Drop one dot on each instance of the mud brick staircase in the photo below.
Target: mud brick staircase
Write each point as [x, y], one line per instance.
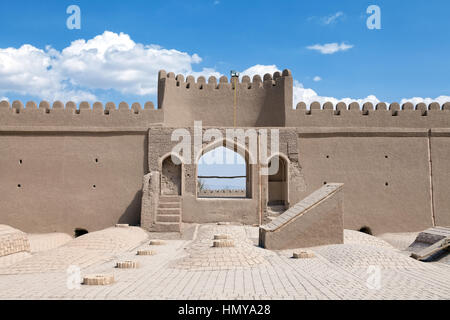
[274, 211]
[168, 217]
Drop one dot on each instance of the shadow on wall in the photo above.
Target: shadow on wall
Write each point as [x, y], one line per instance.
[132, 214]
[79, 232]
[366, 230]
[146, 167]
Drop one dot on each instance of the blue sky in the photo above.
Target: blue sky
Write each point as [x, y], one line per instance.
[407, 58]
[222, 162]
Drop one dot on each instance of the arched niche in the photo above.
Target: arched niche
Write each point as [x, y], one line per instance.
[218, 156]
[278, 182]
[171, 175]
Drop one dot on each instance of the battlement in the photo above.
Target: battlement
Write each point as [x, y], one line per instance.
[392, 158]
[382, 115]
[259, 101]
[267, 82]
[84, 115]
[368, 107]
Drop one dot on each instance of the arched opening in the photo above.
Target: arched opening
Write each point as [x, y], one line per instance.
[278, 183]
[366, 230]
[170, 177]
[223, 173]
[79, 232]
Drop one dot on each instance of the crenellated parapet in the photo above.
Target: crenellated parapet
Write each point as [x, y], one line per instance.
[84, 115]
[407, 115]
[260, 101]
[224, 83]
[368, 106]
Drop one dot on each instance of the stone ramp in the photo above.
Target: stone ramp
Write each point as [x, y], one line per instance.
[431, 244]
[316, 220]
[84, 251]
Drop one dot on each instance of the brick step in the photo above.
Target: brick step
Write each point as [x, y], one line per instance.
[168, 218]
[173, 211]
[276, 209]
[169, 205]
[167, 227]
[170, 199]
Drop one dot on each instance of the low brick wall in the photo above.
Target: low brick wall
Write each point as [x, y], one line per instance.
[222, 193]
[314, 221]
[12, 241]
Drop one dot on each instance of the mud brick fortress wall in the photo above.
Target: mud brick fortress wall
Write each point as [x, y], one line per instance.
[66, 166]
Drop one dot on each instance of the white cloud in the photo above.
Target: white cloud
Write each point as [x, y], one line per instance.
[260, 70]
[108, 61]
[330, 48]
[302, 94]
[114, 61]
[328, 20]
[308, 96]
[206, 72]
[331, 19]
[4, 99]
[29, 70]
[317, 79]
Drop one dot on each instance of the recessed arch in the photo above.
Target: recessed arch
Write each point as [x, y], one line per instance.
[171, 174]
[278, 182]
[237, 147]
[223, 170]
[78, 232]
[365, 229]
[178, 158]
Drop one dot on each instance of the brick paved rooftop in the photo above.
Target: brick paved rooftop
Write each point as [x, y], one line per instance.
[189, 267]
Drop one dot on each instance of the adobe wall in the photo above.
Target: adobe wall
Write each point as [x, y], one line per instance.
[386, 173]
[58, 146]
[196, 209]
[288, 150]
[356, 138]
[65, 168]
[249, 210]
[260, 102]
[440, 155]
[50, 181]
